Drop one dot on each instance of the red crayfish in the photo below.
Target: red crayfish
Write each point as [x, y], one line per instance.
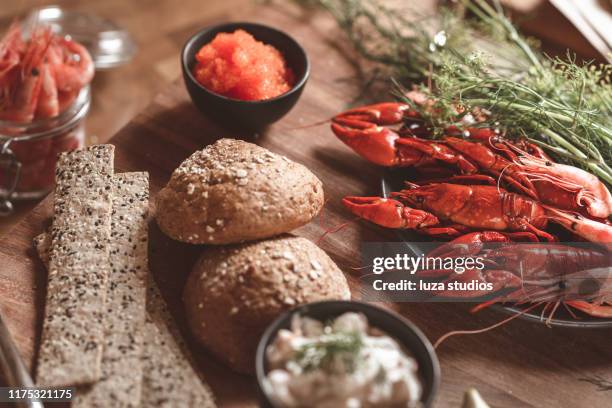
[486, 188]
[539, 190]
[576, 276]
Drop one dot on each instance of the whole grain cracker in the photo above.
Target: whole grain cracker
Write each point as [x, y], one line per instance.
[169, 379]
[120, 385]
[73, 327]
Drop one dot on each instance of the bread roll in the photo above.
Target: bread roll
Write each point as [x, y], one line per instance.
[234, 191]
[235, 292]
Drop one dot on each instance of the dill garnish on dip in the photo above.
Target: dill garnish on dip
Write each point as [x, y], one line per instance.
[238, 66]
[346, 363]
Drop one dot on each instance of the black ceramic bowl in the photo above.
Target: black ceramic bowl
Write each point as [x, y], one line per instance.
[251, 115]
[394, 325]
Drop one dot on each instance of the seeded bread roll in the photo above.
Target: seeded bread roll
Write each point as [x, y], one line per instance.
[234, 191]
[235, 292]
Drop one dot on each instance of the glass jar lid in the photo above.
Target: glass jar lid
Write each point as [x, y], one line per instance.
[108, 44]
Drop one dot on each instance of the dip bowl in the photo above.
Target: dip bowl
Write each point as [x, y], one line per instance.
[235, 113]
[403, 331]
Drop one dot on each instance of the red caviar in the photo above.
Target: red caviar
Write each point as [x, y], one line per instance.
[238, 66]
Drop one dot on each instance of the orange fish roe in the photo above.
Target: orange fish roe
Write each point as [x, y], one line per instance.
[238, 66]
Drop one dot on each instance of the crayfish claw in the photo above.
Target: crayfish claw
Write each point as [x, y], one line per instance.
[468, 244]
[389, 213]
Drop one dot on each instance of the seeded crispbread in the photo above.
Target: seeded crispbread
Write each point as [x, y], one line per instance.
[120, 385]
[73, 327]
[169, 379]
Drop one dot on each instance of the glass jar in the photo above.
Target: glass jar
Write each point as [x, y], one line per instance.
[29, 151]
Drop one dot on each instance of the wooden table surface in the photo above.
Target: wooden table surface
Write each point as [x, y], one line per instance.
[519, 364]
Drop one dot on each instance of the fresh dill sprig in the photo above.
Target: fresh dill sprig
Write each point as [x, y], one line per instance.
[331, 351]
[408, 43]
[559, 108]
[484, 63]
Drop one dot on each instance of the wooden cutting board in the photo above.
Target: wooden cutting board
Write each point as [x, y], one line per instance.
[519, 364]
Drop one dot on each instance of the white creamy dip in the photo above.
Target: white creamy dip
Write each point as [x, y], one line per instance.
[346, 363]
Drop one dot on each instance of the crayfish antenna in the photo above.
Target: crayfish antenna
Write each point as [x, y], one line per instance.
[552, 312]
[483, 330]
[333, 230]
[311, 125]
[482, 306]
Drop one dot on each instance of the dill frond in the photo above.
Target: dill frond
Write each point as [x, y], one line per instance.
[331, 350]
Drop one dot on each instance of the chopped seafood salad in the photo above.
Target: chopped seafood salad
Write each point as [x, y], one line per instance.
[343, 363]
